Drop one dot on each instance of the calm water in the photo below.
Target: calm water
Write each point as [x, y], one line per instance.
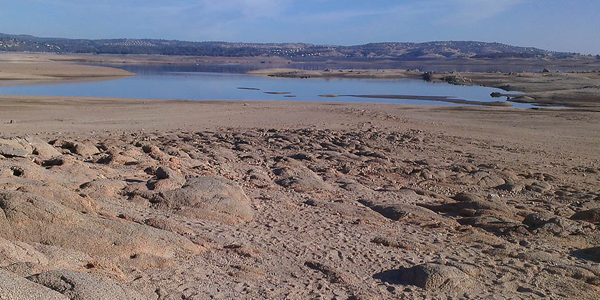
[222, 82]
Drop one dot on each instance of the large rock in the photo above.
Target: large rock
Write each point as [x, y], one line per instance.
[166, 179]
[84, 149]
[62, 195]
[488, 178]
[294, 175]
[14, 252]
[434, 277]
[13, 287]
[103, 189]
[402, 208]
[592, 254]
[60, 258]
[591, 215]
[12, 148]
[212, 198]
[473, 202]
[400, 211]
[24, 146]
[75, 173]
[41, 148]
[490, 214]
[549, 223]
[84, 286]
[22, 168]
[34, 219]
[491, 223]
[24, 269]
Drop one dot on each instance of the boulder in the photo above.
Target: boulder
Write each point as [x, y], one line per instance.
[83, 286]
[213, 198]
[13, 252]
[463, 196]
[63, 196]
[24, 269]
[590, 215]
[63, 258]
[436, 277]
[35, 219]
[549, 223]
[166, 179]
[116, 158]
[27, 145]
[168, 225]
[81, 148]
[40, 147]
[71, 173]
[399, 209]
[510, 187]
[490, 222]
[539, 187]
[13, 148]
[103, 189]
[294, 175]
[13, 287]
[472, 205]
[592, 254]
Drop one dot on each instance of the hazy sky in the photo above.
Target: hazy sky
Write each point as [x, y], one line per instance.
[563, 25]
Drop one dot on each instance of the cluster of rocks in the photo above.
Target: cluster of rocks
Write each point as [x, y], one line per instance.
[297, 213]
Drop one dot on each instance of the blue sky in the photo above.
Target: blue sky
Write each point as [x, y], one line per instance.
[562, 25]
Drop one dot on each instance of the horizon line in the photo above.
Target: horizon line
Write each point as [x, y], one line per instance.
[277, 43]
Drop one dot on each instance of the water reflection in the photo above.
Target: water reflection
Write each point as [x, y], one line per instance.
[223, 82]
[445, 66]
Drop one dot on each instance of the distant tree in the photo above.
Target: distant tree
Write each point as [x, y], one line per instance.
[598, 56]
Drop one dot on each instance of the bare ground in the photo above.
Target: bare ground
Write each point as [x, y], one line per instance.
[163, 199]
[338, 201]
[42, 68]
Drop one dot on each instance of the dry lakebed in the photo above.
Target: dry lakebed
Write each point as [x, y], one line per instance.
[105, 198]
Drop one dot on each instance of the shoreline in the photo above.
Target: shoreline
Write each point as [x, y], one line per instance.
[24, 114]
[36, 70]
[443, 99]
[576, 90]
[40, 69]
[571, 90]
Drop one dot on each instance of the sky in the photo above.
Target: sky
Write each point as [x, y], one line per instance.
[559, 25]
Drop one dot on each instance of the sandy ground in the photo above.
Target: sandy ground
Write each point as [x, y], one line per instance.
[42, 68]
[344, 201]
[163, 199]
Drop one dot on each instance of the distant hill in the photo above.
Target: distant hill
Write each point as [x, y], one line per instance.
[295, 51]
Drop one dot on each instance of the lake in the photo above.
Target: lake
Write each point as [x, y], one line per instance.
[223, 82]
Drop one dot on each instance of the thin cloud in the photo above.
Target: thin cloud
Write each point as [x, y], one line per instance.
[245, 8]
[396, 12]
[472, 11]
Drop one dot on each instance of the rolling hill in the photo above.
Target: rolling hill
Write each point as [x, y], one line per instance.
[294, 51]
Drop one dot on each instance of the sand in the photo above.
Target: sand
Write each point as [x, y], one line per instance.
[18, 69]
[165, 199]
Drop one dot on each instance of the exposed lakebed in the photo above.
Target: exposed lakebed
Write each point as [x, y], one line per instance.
[228, 82]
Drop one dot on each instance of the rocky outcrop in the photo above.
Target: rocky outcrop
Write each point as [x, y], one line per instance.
[13, 287]
[213, 198]
[83, 286]
[432, 276]
[35, 219]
